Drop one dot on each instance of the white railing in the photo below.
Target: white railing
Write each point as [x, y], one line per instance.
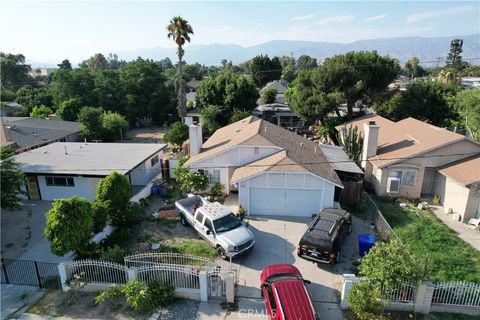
[97, 271]
[154, 257]
[400, 293]
[457, 293]
[184, 277]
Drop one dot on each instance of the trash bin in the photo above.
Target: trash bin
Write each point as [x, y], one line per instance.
[365, 243]
[436, 199]
[154, 189]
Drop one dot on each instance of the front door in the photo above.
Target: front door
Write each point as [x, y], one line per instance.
[32, 186]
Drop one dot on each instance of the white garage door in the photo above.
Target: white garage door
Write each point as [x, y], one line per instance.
[291, 202]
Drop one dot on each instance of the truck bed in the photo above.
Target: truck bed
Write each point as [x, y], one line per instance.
[186, 205]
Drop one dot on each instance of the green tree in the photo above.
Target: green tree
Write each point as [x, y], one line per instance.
[180, 30]
[177, 135]
[30, 97]
[77, 83]
[454, 58]
[305, 62]
[40, 112]
[100, 215]
[14, 70]
[68, 110]
[269, 95]
[239, 114]
[413, 69]
[467, 104]
[366, 302]
[190, 181]
[288, 68]
[91, 119]
[389, 265]
[263, 69]
[69, 224]
[425, 101]
[65, 65]
[356, 75]
[449, 76]
[114, 126]
[114, 192]
[211, 118]
[7, 95]
[12, 179]
[95, 62]
[109, 91]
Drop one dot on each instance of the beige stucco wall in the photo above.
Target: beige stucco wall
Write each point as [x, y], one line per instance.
[472, 209]
[433, 159]
[452, 194]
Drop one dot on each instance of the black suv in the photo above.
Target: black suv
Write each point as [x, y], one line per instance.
[323, 239]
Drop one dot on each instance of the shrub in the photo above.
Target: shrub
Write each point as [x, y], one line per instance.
[217, 192]
[115, 126]
[40, 112]
[365, 301]
[177, 135]
[7, 95]
[100, 217]
[132, 215]
[160, 294]
[90, 250]
[114, 254]
[115, 192]
[121, 237]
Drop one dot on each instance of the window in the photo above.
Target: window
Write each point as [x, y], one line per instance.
[256, 150]
[199, 217]
[407, 177]
[60, 181]
[212, 175]
[208, 224]
[271, 299]
[154, 161]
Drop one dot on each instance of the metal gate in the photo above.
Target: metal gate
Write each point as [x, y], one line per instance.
[30, 273]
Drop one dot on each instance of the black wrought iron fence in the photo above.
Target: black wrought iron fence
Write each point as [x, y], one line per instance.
[30, 273]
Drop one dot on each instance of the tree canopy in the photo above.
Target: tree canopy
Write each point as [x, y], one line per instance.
[14, 70]
[269, 95]
[114, 192]
[69, 224]
[40, 112]
[177, 135]
[263, 69]
[12, 179]
[467, 104]
[90, 119]
[114, 126]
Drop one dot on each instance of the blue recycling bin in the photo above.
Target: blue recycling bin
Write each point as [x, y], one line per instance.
[365, 243]
[154, 189]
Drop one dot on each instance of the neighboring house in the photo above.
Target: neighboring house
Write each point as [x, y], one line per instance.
[24, 133]
[10, 109]
[279, 85]
[191, 98]
[406, 159]
[66, 169]
[41, 72]
[279, 114]
[192, 85]
[274, 171]
[470, 82]
[193, 117]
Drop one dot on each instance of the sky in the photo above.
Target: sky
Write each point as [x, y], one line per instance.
[52, 31]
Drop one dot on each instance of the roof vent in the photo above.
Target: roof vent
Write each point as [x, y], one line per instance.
[301, 144]
[45, 151]
[238, 130]
[371, 123]
[265, 129]
[315, 150]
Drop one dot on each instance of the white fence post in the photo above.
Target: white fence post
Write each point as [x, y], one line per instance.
[202, 280]
[348, 281]
[132, 274]
[423, 297]
[230, 288]
[62, 271]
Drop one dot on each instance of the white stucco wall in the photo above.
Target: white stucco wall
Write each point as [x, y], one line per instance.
[142, 174]
[85, 187]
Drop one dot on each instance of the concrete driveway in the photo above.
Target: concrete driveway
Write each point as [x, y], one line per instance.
[22, 233]
[276, 241]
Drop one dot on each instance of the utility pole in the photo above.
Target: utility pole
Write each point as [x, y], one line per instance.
[438, 61]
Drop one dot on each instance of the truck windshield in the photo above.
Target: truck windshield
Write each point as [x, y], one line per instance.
[226, 223]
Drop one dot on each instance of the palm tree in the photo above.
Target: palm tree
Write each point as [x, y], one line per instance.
[179, 30]
[414, 63]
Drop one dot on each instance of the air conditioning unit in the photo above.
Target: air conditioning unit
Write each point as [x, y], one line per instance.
[393, 185]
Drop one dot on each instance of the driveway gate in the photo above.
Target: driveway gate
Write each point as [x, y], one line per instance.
[30, 273]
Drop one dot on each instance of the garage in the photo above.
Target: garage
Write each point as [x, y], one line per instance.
[291, 202]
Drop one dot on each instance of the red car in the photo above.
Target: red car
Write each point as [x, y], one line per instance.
[285, 294]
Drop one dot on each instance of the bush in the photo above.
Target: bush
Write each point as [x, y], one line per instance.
[120, 237]
[132, 215]
[365, 302]
[115, 192]
[90, 250]
[217, 192]
[160, 294]
[40, 112]
[177, 135]
[7, 95]
[100, 217]
[114, 254]
[114, 126]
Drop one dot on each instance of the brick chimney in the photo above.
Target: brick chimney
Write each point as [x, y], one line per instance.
[196, 138]
[370, 141]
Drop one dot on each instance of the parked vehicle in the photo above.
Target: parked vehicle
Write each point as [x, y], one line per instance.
[217, 225]
[323, 239]
[285, 294]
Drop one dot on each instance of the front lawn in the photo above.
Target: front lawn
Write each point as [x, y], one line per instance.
[437, 248]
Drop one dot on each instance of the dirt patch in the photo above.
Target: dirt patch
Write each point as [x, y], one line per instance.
[146, 135]
[55, 304]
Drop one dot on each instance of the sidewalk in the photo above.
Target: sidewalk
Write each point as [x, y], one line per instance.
[463, 231]
[249, 308]
[15, 299]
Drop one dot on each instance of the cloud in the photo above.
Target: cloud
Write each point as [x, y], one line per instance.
[301, 18]
[334, 19]
[439, 13]
[376, 18]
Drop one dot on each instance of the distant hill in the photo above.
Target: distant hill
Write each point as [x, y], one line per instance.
[426, 49]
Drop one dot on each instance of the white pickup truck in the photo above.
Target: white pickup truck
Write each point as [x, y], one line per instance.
[216, 224]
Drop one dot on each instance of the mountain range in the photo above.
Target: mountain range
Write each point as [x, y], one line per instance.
[428, 50]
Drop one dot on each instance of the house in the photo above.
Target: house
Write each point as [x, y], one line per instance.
[24, 133]
[274, 171]
[66, 169]
[192, 85]
[410, 158]
[279, 85]
[10, 109]
[279, 114]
